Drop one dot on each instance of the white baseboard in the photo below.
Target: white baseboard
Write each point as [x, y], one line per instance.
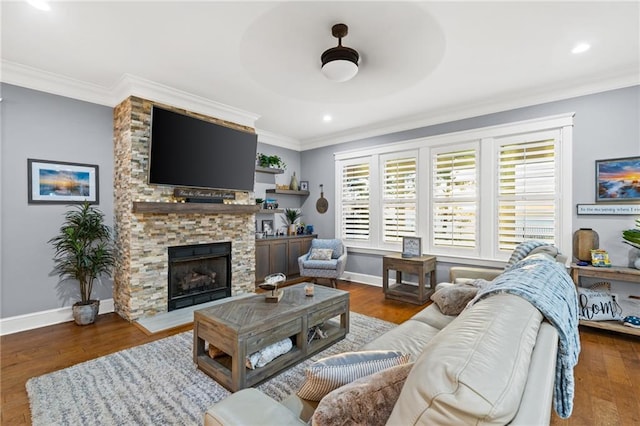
[44, 318]
[56, 316]
[373, 280]
[362, 278]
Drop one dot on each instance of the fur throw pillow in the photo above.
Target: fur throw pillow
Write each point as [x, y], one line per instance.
[453, 299]
[366, 401]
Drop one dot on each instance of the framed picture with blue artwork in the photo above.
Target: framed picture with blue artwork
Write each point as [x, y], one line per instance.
[618, 179]
[55, 182]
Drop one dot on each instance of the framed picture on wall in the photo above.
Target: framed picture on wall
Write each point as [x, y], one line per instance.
[618, 179]
[55, 182]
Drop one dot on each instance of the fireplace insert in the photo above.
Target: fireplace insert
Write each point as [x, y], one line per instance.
[198, 274]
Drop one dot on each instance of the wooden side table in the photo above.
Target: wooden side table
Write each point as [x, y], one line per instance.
[419, 266]
[616, 273]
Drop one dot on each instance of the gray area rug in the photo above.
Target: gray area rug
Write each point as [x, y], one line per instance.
[158, 383]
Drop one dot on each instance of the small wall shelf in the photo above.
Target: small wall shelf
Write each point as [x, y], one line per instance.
[269, 170]
[286, 192]
[269, 211]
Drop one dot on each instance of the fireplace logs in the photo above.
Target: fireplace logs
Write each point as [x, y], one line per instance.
[196, 280]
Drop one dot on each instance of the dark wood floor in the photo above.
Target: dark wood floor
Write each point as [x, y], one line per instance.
[607, 376]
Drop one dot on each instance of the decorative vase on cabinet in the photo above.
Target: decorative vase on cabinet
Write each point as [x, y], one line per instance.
[585, 240]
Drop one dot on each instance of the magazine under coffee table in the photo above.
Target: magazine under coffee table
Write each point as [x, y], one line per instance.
[243, 326]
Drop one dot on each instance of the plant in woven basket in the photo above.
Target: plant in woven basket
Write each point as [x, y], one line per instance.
[83, 251]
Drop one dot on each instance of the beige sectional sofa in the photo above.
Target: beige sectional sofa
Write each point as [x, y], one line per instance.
[492, 364]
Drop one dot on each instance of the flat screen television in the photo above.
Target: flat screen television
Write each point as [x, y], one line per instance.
[188, 152]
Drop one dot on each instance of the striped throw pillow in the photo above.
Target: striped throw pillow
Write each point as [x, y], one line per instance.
[332, 372]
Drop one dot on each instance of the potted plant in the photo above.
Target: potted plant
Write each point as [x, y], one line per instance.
[291, 216]
[83, 251]
[271, 161]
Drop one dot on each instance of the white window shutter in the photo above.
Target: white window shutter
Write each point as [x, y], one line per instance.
[526, 193]
[455, 203]
[355, 193]
[399, 198]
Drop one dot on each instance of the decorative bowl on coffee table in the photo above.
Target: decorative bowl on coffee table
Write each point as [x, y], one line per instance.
[271, 283]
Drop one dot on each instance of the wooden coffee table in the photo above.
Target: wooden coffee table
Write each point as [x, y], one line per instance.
[243, 326]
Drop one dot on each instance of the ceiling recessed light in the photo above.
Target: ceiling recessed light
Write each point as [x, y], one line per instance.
[326, 118]
[581, 47]
[40, 4]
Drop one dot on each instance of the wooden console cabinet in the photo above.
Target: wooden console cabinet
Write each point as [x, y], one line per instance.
[280, 254]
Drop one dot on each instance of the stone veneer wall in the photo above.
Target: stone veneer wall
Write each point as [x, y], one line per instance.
[140, 278]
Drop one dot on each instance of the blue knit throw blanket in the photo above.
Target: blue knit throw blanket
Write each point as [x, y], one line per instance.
[546, 285]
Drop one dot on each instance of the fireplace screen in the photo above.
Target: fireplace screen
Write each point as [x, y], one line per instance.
[198, 274]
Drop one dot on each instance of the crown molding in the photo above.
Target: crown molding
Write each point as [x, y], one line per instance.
[128, 85]
[270, 138]
[44, 81]
[513, 101]
[131, 85]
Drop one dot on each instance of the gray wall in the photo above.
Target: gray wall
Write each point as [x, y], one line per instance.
[46, 127]
[606, 126]
[43, 126]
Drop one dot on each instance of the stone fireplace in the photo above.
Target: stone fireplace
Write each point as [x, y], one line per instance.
[148, 220]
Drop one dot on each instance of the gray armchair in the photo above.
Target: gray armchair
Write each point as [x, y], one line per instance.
[327, 258]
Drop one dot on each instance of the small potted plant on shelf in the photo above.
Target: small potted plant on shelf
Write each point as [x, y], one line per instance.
[291, 216]
[83, 251]
[271, 161]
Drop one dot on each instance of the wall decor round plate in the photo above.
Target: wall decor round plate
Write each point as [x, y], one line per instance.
[322, 205]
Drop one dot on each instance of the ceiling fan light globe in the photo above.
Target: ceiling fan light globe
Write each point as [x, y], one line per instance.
[340, 70]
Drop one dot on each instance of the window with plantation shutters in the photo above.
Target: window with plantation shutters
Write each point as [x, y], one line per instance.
[454, 198]
[527, 187]
[355, 194]
[472, 195]
[399, 197]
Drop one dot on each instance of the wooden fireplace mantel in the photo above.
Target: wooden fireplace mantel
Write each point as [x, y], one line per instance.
[199, 208]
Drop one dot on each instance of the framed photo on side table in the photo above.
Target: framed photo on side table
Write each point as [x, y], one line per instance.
[304, 185]
[411, 246]
[618, 179]
[55, 182]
